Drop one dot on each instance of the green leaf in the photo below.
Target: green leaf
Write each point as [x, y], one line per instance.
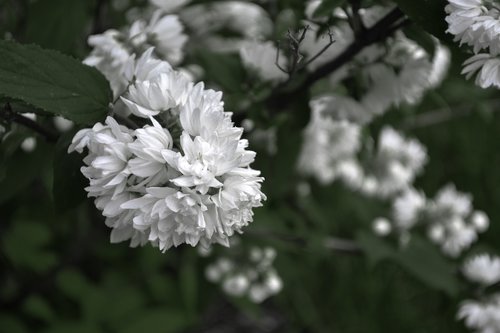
[54, 82]
[424, 261]
[326, 8]
[374, 247]
[68, 181]
[429, 15]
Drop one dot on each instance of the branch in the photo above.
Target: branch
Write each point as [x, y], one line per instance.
[393, 21]
[10, 116]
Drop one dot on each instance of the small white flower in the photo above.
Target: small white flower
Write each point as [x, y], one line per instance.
[480, 220]
[63, 124]
[381, 226]
[407, 207]
[483, 269]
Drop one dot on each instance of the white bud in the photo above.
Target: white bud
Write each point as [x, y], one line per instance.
[369, 185]
[255, 254]
[436, 233]
[480, 221]
[381, 226]
[236, 285]
[29, 144]
[258, 293]
[248, 125]
[213, 273]
[225, 265]
[62, 124]
[274, 283]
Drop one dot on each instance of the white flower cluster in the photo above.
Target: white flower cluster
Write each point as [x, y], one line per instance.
[395, 165]
[256, 279]
[330, 152]
[114, 51]
[183, 177]
[245, 20]
[385, 75]
[482, 316]
[450, 221]
[328, 145]
[476, 23]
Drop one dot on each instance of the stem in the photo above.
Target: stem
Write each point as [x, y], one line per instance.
[393, 21]
[9, 115]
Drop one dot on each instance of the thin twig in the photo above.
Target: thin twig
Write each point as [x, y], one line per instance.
[385, 27]
[10, 116]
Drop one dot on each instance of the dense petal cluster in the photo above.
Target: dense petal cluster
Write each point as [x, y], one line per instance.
[476, 23]
[256, 278]
[183, 177]
[450, 221]
[114, 51]
[328, 145]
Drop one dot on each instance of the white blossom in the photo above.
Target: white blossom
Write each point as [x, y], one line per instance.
[381, 226]
[188, 183]
[482, 316]
[487, 68]
[252, 276]
[483, 269]
[327, 142]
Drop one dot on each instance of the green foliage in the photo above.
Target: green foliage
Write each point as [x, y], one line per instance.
[54, 82]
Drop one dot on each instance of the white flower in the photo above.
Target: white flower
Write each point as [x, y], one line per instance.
[397, 162]
[483, 269]
[449, 201]
[482, 316]
[458, 237]
[252, 276]
[480, 220]
[261, 57]
[327, 143]
[167, 35]
[63, 124]
[190, 183]
[112, 58]
[487, 68]
[407, 207]
[381, 226]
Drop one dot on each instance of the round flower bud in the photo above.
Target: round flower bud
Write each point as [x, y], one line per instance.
[381, 226]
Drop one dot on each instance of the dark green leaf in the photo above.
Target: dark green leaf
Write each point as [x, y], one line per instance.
[375, 248]
[424, 261]
[54, 82]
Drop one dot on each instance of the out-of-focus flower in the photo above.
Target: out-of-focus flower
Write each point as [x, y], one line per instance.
[482, 316]
[483, 269]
